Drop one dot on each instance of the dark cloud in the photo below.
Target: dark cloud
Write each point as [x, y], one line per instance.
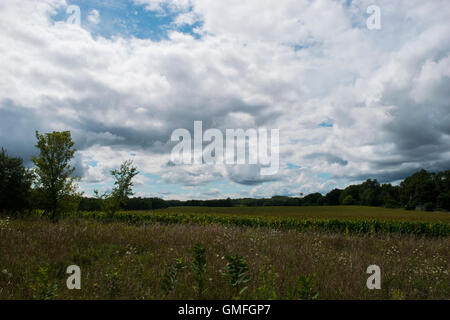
[17, 130]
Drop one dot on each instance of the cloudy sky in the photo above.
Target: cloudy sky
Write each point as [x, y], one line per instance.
[350, 103]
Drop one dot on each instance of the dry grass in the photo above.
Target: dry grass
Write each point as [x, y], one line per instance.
[119, 261]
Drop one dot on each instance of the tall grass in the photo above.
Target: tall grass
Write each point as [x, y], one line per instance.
[130, 261]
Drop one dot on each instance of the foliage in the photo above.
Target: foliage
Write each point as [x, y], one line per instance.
[55, 184]
[267, 290]
[170, 278]
[42, 287]
[15, 184]
[237, 273]
[348, 201]
[355, 226]
[305, 289]
[332, 197]
[112, 202]
[429, 206]
[419, 188]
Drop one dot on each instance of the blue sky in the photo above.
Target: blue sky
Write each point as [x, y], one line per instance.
[119, 18]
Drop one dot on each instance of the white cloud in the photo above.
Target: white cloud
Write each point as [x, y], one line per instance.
[289, 65]
[94, 16]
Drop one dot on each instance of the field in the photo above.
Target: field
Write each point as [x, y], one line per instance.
[122, 258]
[320, 212]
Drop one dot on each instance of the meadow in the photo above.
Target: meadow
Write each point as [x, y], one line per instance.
[322, 253]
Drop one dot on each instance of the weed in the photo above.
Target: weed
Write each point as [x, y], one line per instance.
[170, 278]
[42, 287]
[237, 273]
[199, 269]
[305, 289]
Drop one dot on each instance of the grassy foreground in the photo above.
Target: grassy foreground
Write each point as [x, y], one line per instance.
[122, 261]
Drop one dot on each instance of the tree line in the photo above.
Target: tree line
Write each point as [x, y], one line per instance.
[422, 190]
[50, 186]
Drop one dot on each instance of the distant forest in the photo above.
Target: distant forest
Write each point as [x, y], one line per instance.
[423, 190]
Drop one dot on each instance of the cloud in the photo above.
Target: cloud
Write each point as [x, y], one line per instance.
[290, 65]
[94, 16]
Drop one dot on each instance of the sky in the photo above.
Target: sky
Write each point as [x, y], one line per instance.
[350, 102]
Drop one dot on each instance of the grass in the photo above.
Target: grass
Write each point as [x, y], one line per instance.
[319, 212]
[122, 261]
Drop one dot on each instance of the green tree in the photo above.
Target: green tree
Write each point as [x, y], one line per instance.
[15, 184]
[112, 202]
[332, 197]
[352, 190]
[55, 183]
[419, 188]
[370, 193]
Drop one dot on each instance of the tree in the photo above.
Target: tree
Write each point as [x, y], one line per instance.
[419, 188]
[390, 195]
[112, 202]
[443, 187]
[55, 183]
[313, 199]
[352, 190]
[15, 184]
[348, 201]
[370, 193]
[332, 197]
